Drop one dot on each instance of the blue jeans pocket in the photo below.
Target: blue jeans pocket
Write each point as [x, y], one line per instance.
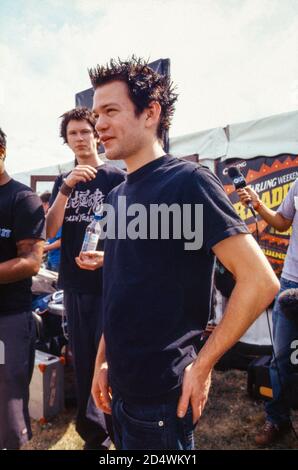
[142, 431]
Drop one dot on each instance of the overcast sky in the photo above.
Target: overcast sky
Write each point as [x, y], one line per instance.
[232, 61]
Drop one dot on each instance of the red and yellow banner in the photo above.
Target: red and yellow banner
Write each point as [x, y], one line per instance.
[271, 178]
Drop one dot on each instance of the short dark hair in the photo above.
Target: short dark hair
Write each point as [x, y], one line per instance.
[144, 86]
[2, 139]
[45, 197]
[76, 114]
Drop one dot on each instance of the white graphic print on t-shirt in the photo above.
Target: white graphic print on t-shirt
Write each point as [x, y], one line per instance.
[80, 200]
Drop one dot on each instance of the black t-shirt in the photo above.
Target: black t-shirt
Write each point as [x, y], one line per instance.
[21, 218]
[157, 294]
[79, 213]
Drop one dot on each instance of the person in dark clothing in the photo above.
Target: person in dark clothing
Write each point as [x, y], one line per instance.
[158, 268]
[45, 199]
[76, 197]
[21, 246]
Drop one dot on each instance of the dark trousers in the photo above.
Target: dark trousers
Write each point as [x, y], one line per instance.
[151, 427]
[84, 318]
[17, 336]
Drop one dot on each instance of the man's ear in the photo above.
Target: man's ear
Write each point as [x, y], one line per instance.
[153, 114]
[2, 153]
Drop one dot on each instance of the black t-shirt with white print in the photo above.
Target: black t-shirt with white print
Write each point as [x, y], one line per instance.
[79, 212]
[21, 218]
[157, 293]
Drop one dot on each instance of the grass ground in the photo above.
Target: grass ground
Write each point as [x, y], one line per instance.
[230, 421]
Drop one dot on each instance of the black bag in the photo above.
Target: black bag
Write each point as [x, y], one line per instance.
[223, 279]
[259, 383]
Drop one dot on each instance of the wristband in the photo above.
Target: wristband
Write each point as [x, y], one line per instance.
[257, 205]
[65, 189]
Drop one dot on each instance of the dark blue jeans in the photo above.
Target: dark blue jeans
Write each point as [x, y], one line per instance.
[284, 333]
[151, 427]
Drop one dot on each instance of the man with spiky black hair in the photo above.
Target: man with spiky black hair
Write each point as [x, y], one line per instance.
[143, 86]
[21, 247]
[157, 289]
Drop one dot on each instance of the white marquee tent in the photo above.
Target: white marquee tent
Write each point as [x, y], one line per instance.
[269, 136]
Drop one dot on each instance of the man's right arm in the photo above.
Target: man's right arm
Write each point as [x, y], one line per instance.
[55, 216]
[100, 386]
[275, 219]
